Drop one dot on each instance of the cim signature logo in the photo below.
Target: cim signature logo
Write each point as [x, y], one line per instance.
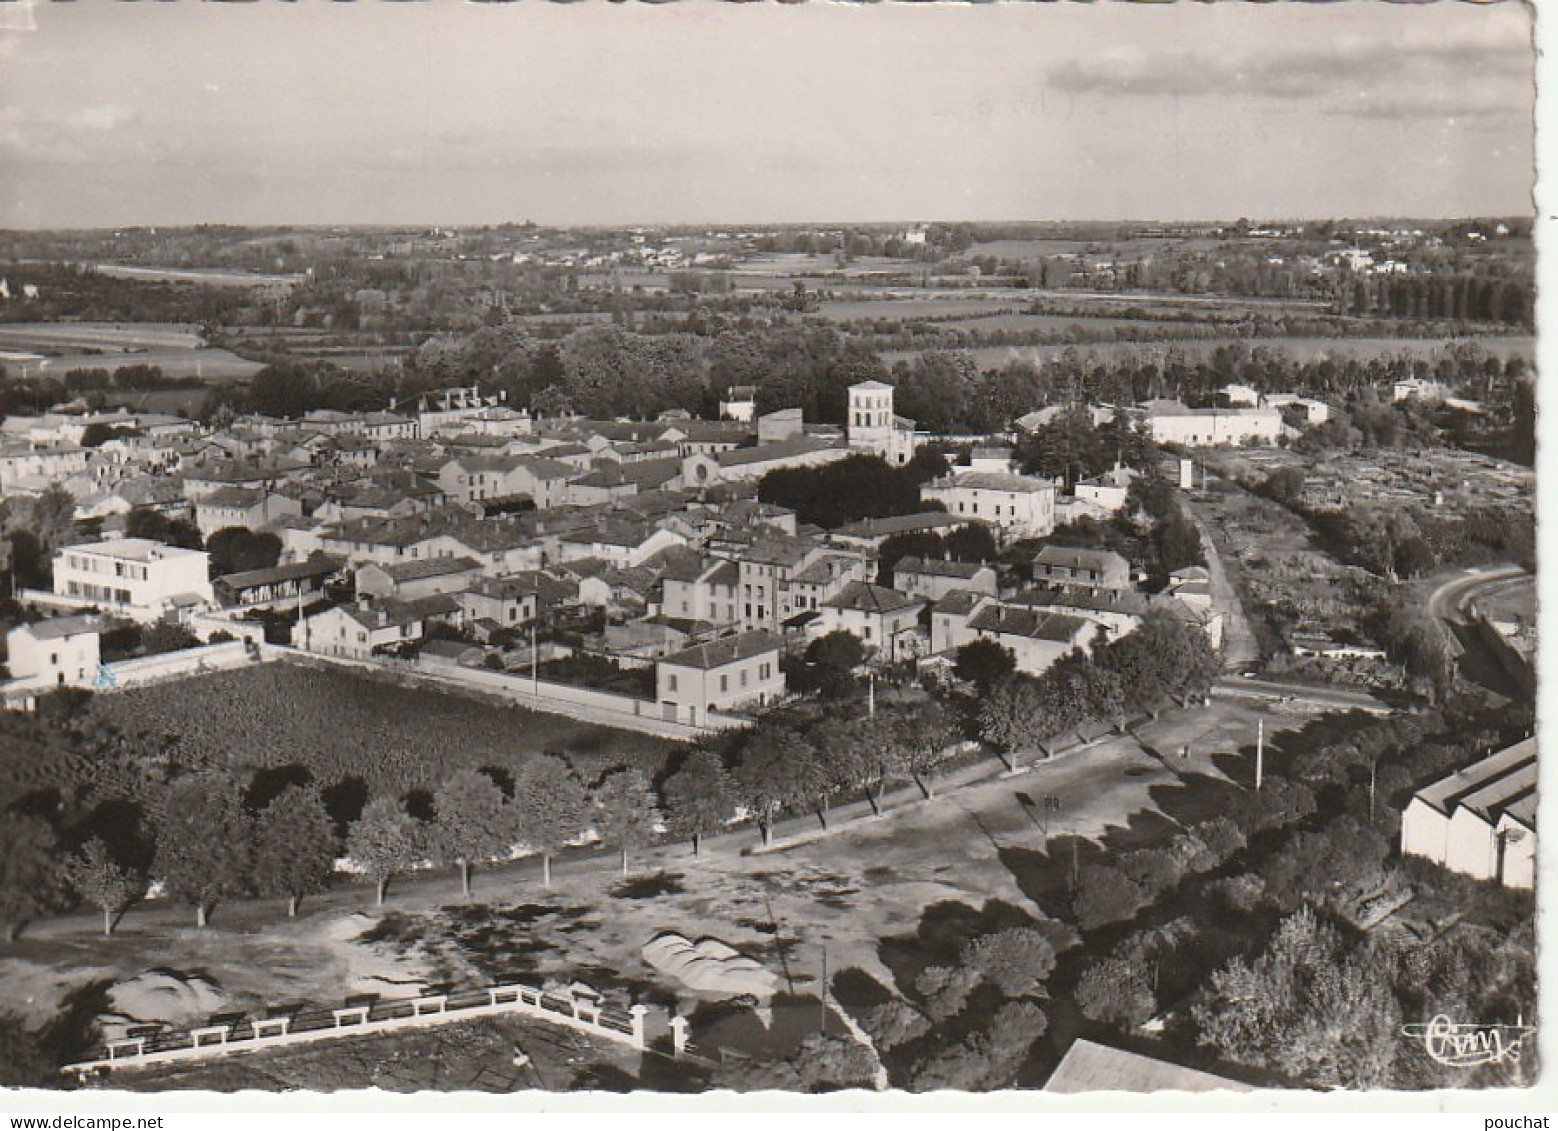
[1466, 1046]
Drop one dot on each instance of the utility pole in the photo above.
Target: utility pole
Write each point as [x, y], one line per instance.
[1260, 751]
[1373, 768]
[871, 695]
[535, 670]
[822, 996]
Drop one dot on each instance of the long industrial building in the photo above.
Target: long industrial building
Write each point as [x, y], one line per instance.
[1481, 820]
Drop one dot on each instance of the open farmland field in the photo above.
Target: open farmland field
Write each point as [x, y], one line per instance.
[1019, 322]
[339, 725]
[209, 364]
[208, 277]
[1021, 249]
[109, 337]
[1302, 349]
[861, 309]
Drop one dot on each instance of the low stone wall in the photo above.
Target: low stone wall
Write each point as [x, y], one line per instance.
[1511, 659]
[583, 703]
[124, 674]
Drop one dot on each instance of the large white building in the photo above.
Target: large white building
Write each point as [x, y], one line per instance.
[136, 576]
[1480, 821]
[1169, 422]
[1023, 506]
[873, 427]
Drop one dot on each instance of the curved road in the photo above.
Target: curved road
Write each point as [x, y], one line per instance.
[1448, 604]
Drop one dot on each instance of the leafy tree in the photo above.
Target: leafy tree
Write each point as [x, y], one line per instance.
[1278, 803]
[95, 877]
[920, 742]
[236, 549]
[29, 880]
[470, 822]
[384, 841]
[946, 989]
[771, 775]
[1015, 715]
[167, 636]
[853, 488]
[699, 797]
[143, 522]
[1414, 557]
[989, 1059]
[984, 663]
[1285, 485]
[1116, 991]
[1104, 894]
[625, 811]
[550, 807]
[914, 544]
[1165, 656]
[1311, 1007]
[831, 662]
[972, 543]
[294, 846]
[1349, 854]
[1016, 960]
[1179, 543]
[893, 1023]
[821, 1063]
[204, 842]
[22, 1060]
[858, 752]
[96, 434]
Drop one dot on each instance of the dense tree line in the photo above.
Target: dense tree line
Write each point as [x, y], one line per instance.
[1164, 658]
[1461, 296]
[853, 488]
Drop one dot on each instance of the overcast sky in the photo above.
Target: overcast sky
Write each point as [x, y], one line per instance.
[460, 113]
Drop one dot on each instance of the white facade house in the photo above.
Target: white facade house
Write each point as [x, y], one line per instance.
[241, 507]
[1108, 492]
[933, 579]
[873, 427]
[1023, 506]
[1481, 820]
[360, 631]
[23, 466]
[60, 652]
[719, 675]
[884, 619]
[705, 595]
[136, 576]
[1036, 638]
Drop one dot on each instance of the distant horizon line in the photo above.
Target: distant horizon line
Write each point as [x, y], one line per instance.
[368, 226]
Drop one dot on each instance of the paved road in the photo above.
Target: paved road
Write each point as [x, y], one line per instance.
[1448, 602]
[1475, 658]
[1332, 698]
